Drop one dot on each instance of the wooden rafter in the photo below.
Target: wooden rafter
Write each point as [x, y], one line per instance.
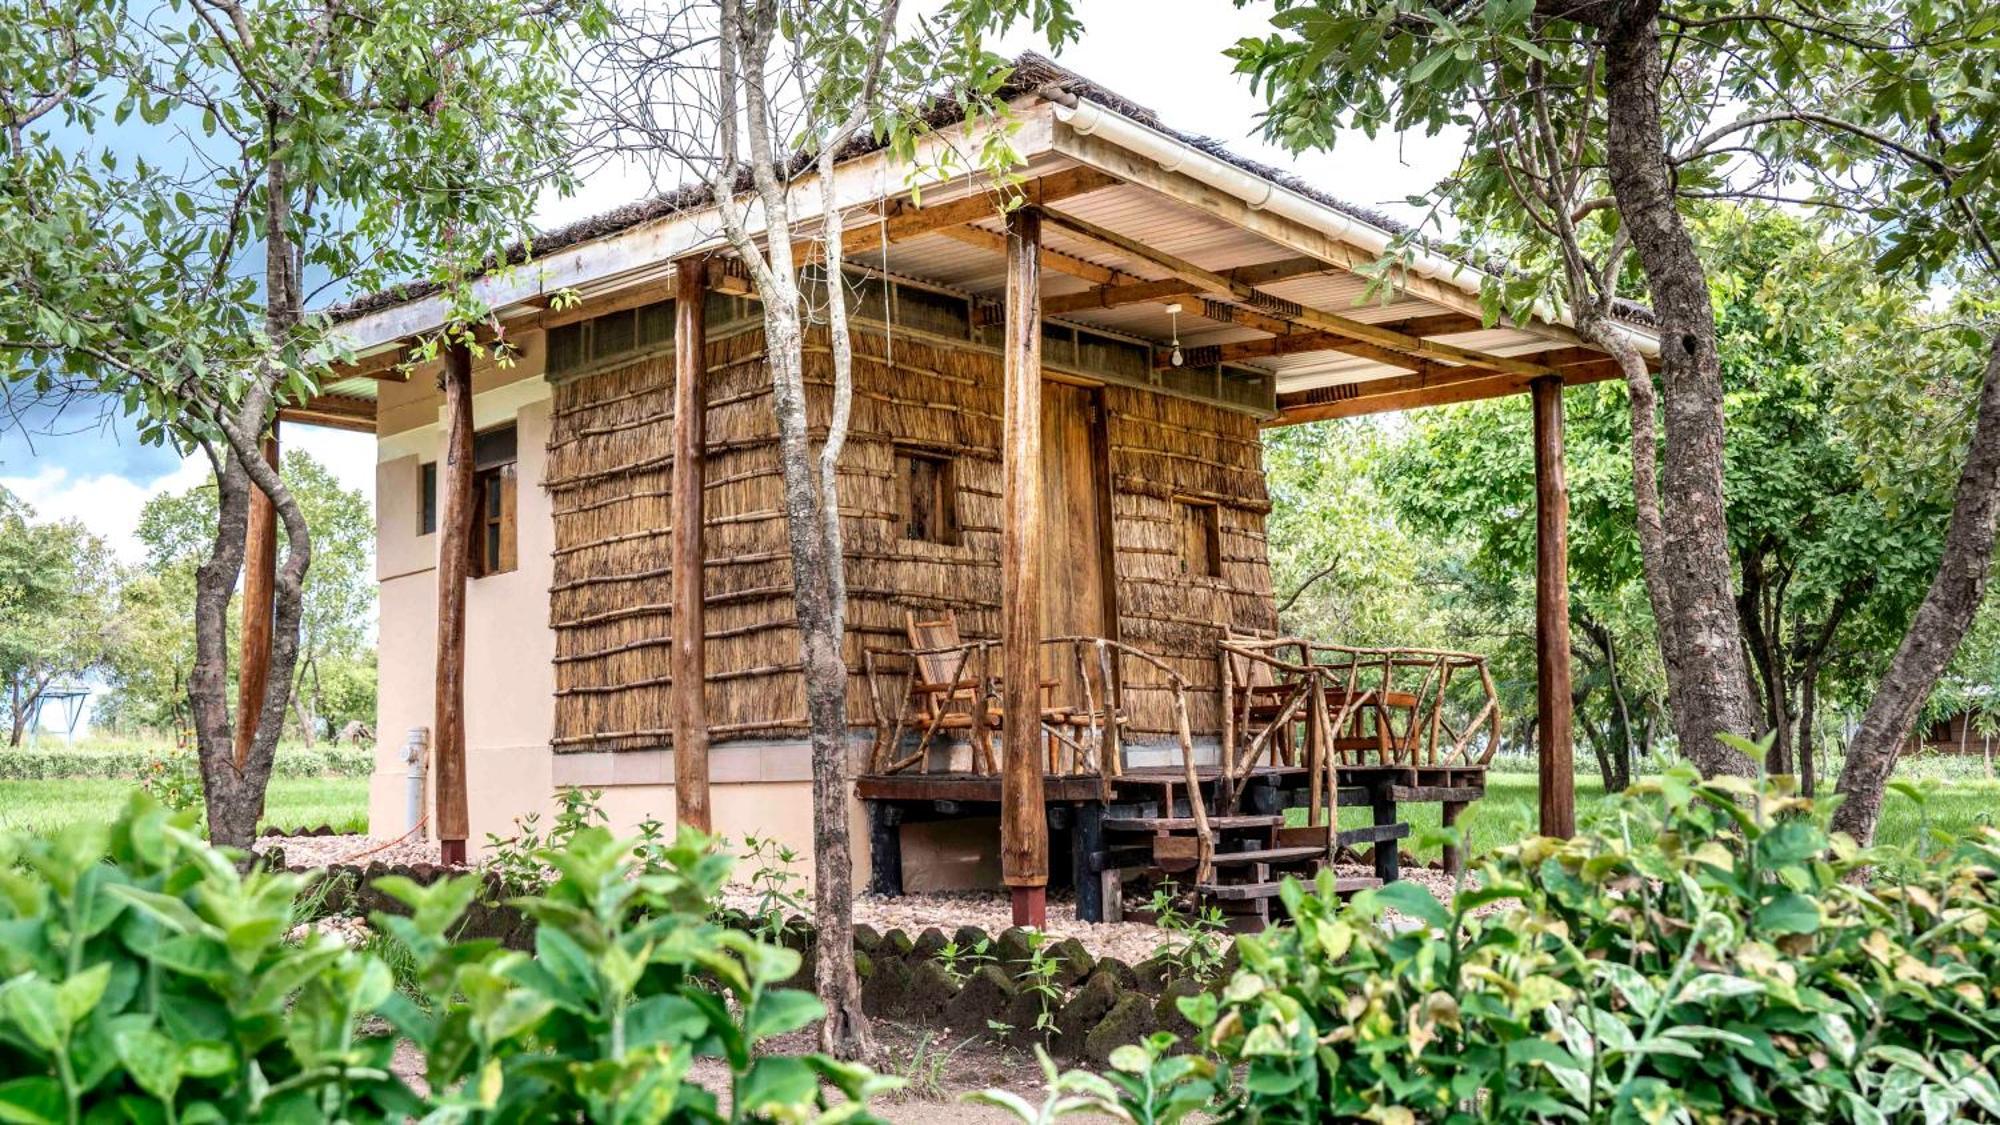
[1226, 313]
[1107, 296]
[333, 412]
[1114, 296]
[1415, 347]
[1407, 392]
[1059, 262]
[389, 365]
[907, 220]
[1294, 342]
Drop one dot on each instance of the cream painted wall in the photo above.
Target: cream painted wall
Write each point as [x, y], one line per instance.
[510, 680]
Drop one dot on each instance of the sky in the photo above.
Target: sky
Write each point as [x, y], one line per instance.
[1162, 54]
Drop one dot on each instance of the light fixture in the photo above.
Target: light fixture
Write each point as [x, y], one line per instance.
[1175, 357]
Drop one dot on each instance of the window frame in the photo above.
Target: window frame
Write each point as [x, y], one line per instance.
[427, 498]
[1194, 514]
[494, 542]
[948, 532]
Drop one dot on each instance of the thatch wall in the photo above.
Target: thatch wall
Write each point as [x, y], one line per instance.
[610, 475]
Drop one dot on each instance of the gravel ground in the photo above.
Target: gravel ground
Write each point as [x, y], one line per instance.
[1131, 942]
[325, 851]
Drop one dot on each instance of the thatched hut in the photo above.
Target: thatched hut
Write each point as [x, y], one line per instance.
[1188, 299]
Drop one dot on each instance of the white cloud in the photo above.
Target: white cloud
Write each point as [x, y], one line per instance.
[105, 503]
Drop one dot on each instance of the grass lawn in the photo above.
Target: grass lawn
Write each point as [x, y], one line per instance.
[293, 802]
[1508, 812]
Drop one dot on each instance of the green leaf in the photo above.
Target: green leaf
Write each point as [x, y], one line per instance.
[1411, 899]
[30, 1003]
[152, 1059]
[1788, 913]
[76, 996]
[782, 1010]
[32, 1101]
[778, 1082]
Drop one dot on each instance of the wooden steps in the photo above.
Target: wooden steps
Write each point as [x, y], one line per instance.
[1171, 824]
[1267, 855]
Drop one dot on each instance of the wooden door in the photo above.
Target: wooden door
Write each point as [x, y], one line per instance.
[1076, 581]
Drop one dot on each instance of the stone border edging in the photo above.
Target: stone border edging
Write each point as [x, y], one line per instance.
[1104, 1003]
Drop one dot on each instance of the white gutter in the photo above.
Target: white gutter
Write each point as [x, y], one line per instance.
[1087, 118]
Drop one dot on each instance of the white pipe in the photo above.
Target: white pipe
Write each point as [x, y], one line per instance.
[416, 752]
[1174, 155]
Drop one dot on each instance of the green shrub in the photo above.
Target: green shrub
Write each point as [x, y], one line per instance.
[1708, 954]
[146, 978]
[136, 763]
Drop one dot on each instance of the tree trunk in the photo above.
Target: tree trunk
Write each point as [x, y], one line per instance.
[1711, 696]
[1940, 622]
[1808, 715]
[1624, 714]
[234, 791]
[811, 531]
[308, 723]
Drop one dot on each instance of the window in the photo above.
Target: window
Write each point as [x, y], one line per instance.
[930, 496]
[427, 501]
[493, 454]
[1201, 538]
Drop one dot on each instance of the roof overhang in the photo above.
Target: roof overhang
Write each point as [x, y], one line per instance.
[1149, 236]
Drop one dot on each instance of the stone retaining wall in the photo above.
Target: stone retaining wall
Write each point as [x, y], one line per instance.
[1101, 1003]
[1097, 1004]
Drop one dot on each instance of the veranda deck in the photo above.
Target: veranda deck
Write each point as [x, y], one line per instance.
[1144, 799]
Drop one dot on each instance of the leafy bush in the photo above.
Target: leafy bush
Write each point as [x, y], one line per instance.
[147, 978]
[1708, 954]
[291, 761]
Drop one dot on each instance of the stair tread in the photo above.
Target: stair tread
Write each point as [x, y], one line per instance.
[1268, 855]
[1243, 891]
[1168, 823]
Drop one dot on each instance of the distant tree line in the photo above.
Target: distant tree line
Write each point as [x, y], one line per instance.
[72, 613]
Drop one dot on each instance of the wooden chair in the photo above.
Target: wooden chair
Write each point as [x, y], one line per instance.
[1266, 697]
[946, 688]
[1389, 704]
[1259, 690]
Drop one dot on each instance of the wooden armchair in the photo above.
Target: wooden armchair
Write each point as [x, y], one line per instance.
[1266, 696]
[946, 687]
[1390, 705]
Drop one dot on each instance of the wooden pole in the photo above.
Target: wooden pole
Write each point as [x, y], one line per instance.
[260, 578]
[690, 662]
[1552, 675]
[454, 563]
[1024, 831]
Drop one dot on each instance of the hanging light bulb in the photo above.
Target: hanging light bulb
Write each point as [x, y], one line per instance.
[1175, 357]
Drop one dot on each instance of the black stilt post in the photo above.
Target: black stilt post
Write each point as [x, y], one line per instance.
[1386, 857]
[1086, 860]
[885, 849]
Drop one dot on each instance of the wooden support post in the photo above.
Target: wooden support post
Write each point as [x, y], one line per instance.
[1552, 674]
[1024, 833]
[690, 663]
[885, 849]
[260, 579]
[1388, 861]
[1454, 856]
[454, 564]
[1086, 855]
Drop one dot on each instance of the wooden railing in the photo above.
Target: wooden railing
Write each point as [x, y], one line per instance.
[1083, 735]
[1352, 706]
